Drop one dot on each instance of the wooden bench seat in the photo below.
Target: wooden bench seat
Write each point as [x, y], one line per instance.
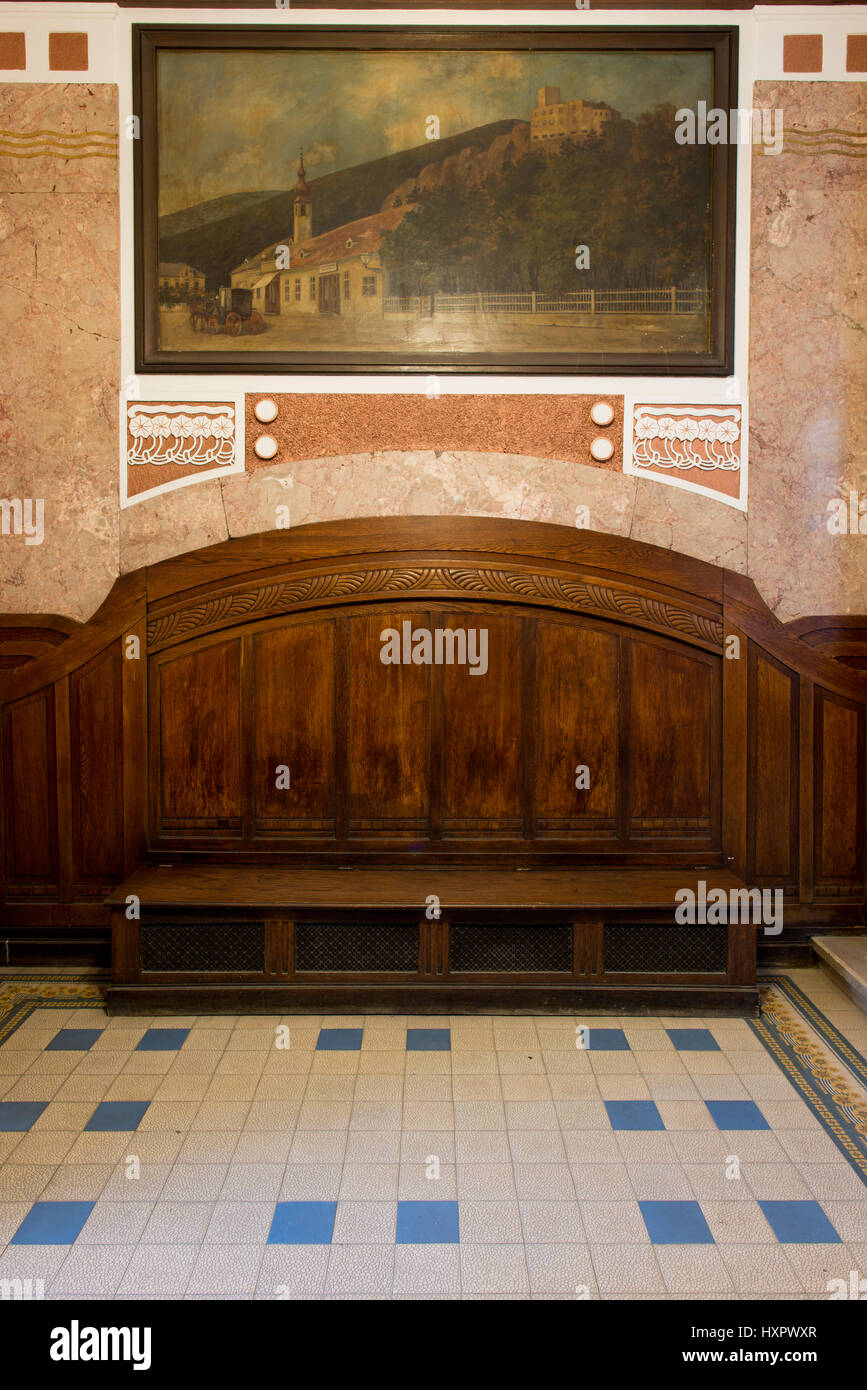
[253, 938]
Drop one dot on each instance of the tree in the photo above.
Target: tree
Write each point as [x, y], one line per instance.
[633, 195]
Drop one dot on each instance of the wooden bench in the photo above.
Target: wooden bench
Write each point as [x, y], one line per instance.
[244, 938]
[643, 722]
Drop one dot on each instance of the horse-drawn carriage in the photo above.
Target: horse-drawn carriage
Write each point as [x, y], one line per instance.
[229, 311]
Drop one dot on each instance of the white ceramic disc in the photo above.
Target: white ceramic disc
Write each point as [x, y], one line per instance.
[601, 449]
[602, 413]
[265, 447]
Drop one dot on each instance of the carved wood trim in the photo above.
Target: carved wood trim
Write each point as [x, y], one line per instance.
[270, 598]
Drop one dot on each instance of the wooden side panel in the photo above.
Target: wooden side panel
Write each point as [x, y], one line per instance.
[773, 771]
[734, 741]
[672, 743]
[293, 718]
[482, 749]
[389, 732]
[96, 742]
[134, 680]
[30, 777]
[839, 791]
[577, 722]
[199, 742]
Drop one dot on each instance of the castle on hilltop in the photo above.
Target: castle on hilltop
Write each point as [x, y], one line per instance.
[553, 120]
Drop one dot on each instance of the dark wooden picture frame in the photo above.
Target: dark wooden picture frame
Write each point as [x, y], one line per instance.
[214, 312]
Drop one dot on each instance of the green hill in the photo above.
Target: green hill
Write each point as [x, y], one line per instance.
[216, 235]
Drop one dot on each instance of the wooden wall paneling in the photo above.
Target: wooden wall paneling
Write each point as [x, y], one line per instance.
[588, 949]
[743, 943]
[673, 715]
[292, 721]
[529, 728]
[806, 781]
[341, 729]
[774, 737]
[276, 952]
[745, 607]
[123, 605]
[30, 772]
[482, 751]
[249, 770]
[624, 685]
[96, 765]
[484, 734]
[134, 696]
[839, 795]
[437, 771]
[429, 947]
[196, 745]
[196, 577]
[5, 826]
[442, 946]
[735, 717]
[389, 733]
[577, 716]
[843, 638]
[64, 756]
[125, 947]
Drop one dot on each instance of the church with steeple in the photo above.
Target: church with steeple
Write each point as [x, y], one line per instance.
[302, 207]
[336, 272]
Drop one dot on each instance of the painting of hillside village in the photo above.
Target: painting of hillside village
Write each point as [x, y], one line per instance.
[434, 204]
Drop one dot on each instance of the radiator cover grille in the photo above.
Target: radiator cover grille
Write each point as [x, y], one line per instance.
[359, 948]
[519, 948]
[212, 947]
[665, 950]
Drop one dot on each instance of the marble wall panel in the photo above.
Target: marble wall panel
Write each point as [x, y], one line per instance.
[59, 349]
[808, 349]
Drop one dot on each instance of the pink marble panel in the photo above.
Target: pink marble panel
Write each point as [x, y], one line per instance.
[808, 359]
[59, 368]
[58, 137]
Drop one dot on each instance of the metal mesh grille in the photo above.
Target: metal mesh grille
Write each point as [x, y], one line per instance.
[203, 946]
[665, 950]
[356, 947]
[516, 949]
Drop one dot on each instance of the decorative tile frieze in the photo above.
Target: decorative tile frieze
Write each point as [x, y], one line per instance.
[169, 444]
[695, 445]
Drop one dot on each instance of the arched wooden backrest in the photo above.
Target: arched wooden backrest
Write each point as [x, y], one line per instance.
[263, 652]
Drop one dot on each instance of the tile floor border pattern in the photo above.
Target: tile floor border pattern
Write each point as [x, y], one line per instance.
[799, 1037]
[21, 994]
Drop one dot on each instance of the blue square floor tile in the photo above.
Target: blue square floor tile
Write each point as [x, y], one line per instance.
[302, 1223]
[339, 1040]
[428, 1039]
[633, 1114]
[800, 1223]
[693, 1039]
[736, 1114]
[74, 1039]
[52, 1223]
[676, 1223]
[427, 1223]
[163, 1040]
[16, 1116]
[117, 1115]
[607, 1040]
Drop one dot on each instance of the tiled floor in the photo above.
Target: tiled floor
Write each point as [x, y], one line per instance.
[387, 1157]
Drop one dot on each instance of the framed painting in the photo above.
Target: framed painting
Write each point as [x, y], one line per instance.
[377, 199]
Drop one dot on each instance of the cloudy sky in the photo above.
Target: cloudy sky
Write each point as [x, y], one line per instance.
[233, 122]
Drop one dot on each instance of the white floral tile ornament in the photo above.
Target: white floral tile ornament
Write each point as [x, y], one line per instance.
[695, 446]
[170, 445]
